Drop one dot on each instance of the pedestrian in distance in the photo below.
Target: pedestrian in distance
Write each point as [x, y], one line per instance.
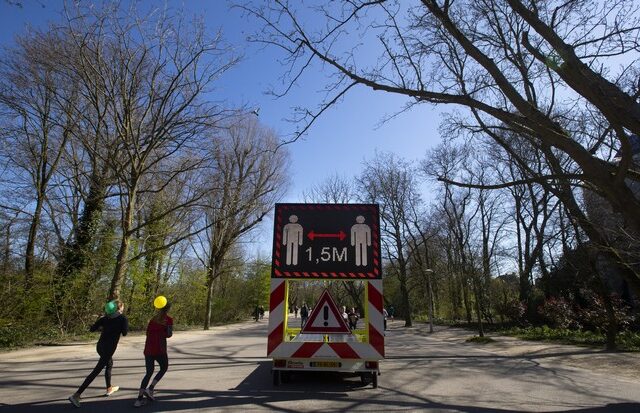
[304, 315]
[353, 318]
[261, 312]
[295, 310]
[392, 312]
[256, 313]
[160, 328]
[385, 314]
[111, 325]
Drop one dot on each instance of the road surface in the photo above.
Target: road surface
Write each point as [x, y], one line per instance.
[225, 369]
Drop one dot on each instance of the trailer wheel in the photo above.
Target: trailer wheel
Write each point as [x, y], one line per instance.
[277, 377]
[366, 378]
[285, 376]
[375, 380]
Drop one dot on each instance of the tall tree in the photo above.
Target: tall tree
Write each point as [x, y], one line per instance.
[153, 73]
[38, 123]
[391, 182]
[531, 67]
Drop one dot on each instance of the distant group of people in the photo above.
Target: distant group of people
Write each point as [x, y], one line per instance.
[350, 317]
[304, 313]
[114, 324]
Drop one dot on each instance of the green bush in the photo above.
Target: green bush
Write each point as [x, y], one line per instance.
[629, 341]
[14, 334]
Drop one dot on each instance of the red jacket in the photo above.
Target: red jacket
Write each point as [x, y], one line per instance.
[157, 333]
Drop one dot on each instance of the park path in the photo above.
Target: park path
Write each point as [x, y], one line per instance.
[225, 369]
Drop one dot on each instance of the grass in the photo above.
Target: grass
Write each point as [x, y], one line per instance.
[627, 341]
[15, 335]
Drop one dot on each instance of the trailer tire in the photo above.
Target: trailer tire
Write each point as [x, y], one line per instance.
[277, 378]
[285, 376]
[375, 380]
[366, 378]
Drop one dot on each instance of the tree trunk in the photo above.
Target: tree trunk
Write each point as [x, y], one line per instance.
[612, 323]
[405, 301]
[430, 300]
[78, 250]
[31, 242]
[6, 254]
[478, 294]
[123, 252]
[207, 310]
[465, 298]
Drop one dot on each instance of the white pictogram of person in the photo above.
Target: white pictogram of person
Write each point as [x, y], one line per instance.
[292, 238]
[361, 239]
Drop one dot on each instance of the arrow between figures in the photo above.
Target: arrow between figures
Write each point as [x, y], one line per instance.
[340, 235]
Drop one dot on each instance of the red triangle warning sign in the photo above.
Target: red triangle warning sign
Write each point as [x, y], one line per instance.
[325, 317]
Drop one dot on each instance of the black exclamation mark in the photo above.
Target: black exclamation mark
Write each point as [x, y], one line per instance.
[326, 315]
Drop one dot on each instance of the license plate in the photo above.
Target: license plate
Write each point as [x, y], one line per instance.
[326, 364]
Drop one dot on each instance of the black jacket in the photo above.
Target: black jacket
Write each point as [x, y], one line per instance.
[110, 327]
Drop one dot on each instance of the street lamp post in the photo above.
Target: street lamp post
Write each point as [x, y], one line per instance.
[429, 272]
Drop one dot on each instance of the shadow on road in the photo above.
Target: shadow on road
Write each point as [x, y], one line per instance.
[308, 390]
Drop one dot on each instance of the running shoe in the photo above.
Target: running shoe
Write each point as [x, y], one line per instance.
[148, 394]
[111, 390]
[75, 400]
[140, 402]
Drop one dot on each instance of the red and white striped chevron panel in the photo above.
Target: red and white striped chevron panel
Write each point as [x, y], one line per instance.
[277, 347]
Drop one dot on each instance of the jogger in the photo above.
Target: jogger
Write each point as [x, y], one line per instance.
[112, 325]
[155, 349]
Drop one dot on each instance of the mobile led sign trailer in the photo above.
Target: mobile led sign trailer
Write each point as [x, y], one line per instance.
[332, 243]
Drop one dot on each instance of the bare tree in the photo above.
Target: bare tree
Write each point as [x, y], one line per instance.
[38, 122]
[335, 189]
[391, 182]
[153, 73]
[248, 176]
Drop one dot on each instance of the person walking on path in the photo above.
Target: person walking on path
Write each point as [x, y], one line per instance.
[160, 328]
[353, 318]
[304, 315]
[111, 326]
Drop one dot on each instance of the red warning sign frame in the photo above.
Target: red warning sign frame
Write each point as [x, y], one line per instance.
[318, 310]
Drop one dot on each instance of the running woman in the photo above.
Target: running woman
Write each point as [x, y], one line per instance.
[111, 326]
[155, 349]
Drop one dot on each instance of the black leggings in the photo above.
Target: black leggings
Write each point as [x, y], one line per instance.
[162, 360]
[106, 360]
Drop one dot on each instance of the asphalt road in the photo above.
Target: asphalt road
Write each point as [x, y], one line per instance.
[225, 369]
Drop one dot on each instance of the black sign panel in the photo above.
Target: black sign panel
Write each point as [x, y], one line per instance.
[326, 241]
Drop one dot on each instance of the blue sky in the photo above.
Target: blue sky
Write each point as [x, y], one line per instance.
[340, 140]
